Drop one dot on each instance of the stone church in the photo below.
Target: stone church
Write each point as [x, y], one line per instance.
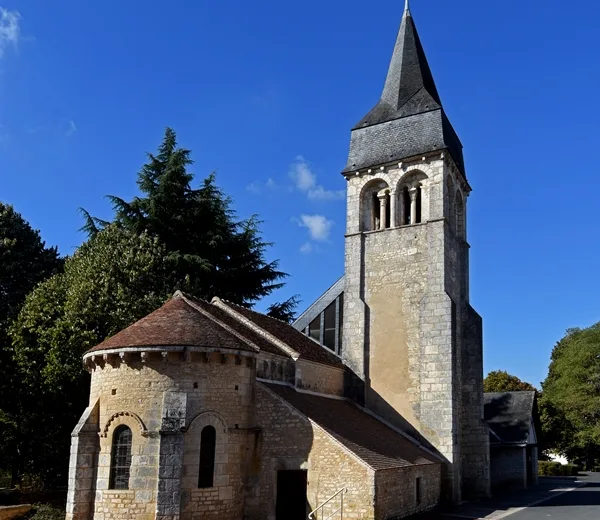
[369, 407]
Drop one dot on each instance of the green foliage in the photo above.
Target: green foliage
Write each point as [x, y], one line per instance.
[211, 252]
[571, 397]
[501, 381]
[25, 261]
[556, 469]
[284, 311]
[172, 236]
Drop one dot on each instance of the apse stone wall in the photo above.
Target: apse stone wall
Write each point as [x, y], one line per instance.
[166, 401]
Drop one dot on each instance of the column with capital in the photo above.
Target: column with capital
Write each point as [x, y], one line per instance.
[413, 204]
[383, 200]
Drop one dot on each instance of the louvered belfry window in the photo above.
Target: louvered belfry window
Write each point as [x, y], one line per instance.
[121, 458]
[208, 441]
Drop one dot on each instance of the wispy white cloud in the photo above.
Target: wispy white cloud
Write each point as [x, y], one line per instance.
[306, 248]
[258, 187]
[9, 29]
[320, 193]
[301, 175]
[305, 180]
[319, 226]
[71, 128]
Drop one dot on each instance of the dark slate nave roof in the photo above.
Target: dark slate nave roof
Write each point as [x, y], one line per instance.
[509, 415]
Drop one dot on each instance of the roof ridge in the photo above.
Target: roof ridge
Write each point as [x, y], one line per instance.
[225, 306]
[218, 322]
[229, 302]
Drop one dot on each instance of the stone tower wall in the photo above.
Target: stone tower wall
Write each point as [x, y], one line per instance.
[166, 403]
[407, 294]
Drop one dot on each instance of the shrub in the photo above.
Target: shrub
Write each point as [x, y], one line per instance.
[556, 469]
[46, 512]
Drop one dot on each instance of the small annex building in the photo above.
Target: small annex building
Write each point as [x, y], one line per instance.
[210, 410]
[514, 432]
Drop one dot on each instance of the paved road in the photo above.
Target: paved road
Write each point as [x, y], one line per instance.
[549, 501]
[580, 504]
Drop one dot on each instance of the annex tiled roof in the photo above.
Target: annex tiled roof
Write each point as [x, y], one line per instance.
[306, 347]
[176, 323]
[375, 443]
[186, 321]
[219, 314]
[509, 415]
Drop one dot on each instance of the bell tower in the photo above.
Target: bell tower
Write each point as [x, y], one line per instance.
[410, 333]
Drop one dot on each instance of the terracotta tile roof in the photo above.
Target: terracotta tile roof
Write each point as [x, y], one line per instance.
[219, 314]
[176, 323]
[376, 444]
[306, 347]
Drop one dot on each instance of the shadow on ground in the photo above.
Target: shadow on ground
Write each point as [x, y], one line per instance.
[550, 493]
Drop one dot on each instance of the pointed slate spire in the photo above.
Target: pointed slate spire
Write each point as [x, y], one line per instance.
[409, 87]
[408, 120]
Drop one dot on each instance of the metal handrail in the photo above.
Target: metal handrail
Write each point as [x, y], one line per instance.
[339, 510]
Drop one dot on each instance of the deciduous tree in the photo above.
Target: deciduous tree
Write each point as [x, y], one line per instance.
[571, 393]
[25, 261]
[501, 381]
[111, 281]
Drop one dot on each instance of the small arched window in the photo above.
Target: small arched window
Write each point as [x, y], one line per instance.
[410, 198]
[120, 467]
[208, 441]
[376, 211]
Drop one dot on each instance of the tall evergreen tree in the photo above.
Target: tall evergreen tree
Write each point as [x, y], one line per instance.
[211, 252]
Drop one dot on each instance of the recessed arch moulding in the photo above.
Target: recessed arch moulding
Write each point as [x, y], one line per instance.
[426, 173]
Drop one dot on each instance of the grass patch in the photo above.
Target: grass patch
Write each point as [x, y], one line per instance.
[46, 512]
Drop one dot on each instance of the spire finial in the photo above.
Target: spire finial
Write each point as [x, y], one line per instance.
[406, 6]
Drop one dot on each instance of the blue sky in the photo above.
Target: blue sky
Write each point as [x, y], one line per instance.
[265, 93]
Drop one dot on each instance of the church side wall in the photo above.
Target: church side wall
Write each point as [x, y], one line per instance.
[467, 336]
[319, 378]
[508, 467]
[475, 432]
[291, 442]
[396, 494]
[395, 283]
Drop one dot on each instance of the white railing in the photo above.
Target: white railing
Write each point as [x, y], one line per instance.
[319, 512]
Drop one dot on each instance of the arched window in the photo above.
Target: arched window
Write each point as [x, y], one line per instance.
[410, 199]
[376, 211]
[208, 440]
[120, 458]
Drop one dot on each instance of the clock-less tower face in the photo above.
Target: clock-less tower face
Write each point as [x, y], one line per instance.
[409, 332]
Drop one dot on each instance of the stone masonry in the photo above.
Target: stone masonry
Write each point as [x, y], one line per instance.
[409, 330]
